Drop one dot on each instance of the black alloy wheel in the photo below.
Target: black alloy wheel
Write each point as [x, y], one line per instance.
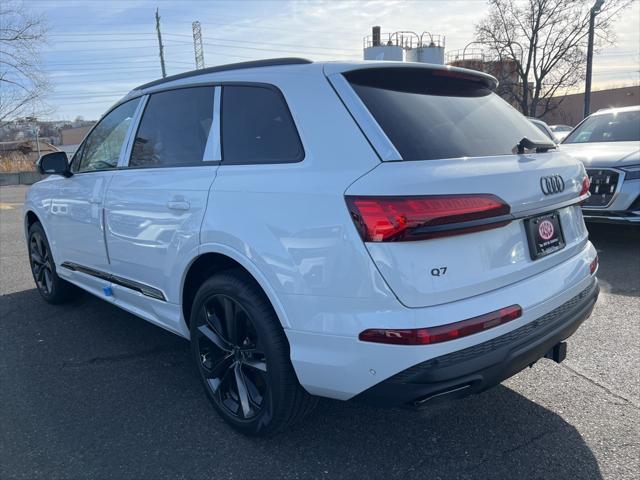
[51, 287]
[231, 358]
[243, 358]
[41, 263]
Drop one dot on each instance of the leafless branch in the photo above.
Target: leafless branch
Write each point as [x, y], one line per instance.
[22, 80]
[547, 40]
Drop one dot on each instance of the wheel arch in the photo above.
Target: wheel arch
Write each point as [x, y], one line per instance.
[30, 217]
[216, 258]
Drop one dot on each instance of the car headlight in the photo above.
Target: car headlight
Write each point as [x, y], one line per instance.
[632, 172]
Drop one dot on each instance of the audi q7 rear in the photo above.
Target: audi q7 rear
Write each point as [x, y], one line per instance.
[387, 232]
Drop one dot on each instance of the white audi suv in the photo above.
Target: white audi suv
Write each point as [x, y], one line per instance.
[608, 144]
[384, 232]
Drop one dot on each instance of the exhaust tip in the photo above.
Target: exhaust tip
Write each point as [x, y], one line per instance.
[445, 393]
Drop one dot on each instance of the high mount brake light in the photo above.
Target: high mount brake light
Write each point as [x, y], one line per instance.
[442, 333]
[392, 219]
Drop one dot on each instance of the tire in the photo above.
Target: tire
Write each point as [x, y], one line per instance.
[242, 356]
[50, 286]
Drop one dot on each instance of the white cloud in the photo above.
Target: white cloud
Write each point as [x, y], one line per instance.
[84, 60]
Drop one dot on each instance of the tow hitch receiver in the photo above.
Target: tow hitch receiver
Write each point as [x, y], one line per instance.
[557, 353]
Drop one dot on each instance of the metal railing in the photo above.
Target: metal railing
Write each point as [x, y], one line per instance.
[406, 39]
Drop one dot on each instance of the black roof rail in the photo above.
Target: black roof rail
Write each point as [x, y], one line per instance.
[272, 62]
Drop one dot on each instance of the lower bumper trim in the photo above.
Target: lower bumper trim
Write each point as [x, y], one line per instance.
[482, 366]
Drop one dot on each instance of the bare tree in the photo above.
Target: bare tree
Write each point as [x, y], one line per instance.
[22, 81]
[545, 41]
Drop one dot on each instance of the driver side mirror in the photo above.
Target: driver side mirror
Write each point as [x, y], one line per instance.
[55, 163]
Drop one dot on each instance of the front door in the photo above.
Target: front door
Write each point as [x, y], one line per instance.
[77, 217]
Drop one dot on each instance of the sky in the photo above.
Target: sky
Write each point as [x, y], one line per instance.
[98, 50]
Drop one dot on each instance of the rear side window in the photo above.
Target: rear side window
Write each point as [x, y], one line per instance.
[430, 114]
[257, 127]
[174, 128]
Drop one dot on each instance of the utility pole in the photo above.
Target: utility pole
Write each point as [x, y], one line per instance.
[592, 25]
[36, 131]
[164, 71]
[197, 45]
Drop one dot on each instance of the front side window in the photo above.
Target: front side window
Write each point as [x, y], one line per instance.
[607, 127]
[174, 128]
[431, 114]
[101, 149]
[257, 127]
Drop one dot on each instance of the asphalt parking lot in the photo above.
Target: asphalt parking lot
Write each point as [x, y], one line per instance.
[89, 391]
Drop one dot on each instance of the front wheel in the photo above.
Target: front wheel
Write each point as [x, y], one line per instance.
[242, 356]
[51, 287]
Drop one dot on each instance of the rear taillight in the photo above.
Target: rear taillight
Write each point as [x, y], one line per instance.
[586, 183]
[593, 266]
[442, 333]
[390, 219]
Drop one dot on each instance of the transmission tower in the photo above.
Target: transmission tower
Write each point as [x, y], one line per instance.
[197, 45]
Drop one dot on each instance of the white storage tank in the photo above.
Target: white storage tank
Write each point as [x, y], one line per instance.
[404, 46]
[377, 49]
[430, 49]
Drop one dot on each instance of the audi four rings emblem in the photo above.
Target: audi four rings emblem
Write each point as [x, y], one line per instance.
[552, 184]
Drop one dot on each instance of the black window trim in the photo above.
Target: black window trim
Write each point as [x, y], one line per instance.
[129, 151]
[220, 163]
[82, 144]
[138, 119]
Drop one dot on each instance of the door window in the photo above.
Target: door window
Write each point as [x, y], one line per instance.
[174, 129]
[101, 149]
[257, 127]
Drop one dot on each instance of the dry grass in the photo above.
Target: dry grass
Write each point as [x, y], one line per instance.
[16, 162]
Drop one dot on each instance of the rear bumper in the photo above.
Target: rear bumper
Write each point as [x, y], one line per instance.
[477, 368]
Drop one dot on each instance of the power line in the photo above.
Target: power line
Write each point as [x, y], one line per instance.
[299, 45]
[229, 40]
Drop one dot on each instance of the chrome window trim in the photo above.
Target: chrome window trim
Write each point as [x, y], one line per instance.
[368, 125]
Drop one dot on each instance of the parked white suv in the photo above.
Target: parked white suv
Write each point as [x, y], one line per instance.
[608, 144]
[389, 232]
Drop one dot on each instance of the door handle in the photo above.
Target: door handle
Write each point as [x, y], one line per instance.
[178, 205]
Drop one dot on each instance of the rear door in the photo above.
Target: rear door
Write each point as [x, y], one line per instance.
[155, 202]
[456, 211]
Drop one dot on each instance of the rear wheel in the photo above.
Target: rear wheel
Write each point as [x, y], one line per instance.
[51, 287]
[242, 356]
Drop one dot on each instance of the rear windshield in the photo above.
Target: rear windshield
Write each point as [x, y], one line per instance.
[429, 114]
[607, 127]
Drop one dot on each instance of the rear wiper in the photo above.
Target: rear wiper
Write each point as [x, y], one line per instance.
[527, 144]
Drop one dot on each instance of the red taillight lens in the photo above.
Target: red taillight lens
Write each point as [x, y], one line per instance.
[593, 266]
[442, 333]
[388, 219]
[586, 183]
